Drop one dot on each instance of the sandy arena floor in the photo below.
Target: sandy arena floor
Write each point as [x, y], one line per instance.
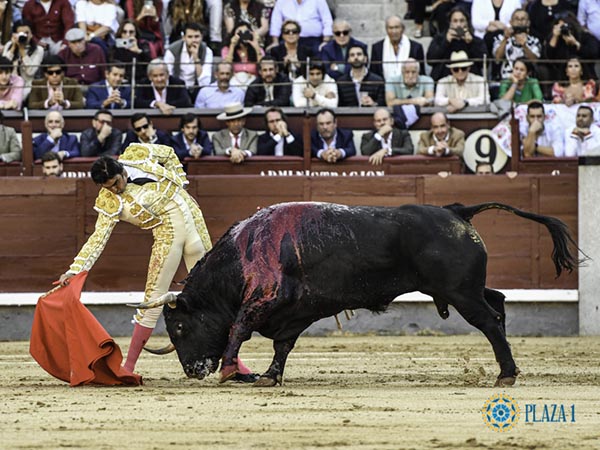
[339, 392]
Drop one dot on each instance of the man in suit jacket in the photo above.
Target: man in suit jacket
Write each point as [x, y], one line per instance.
[55, 91]
[385, 139]
[395, 48]
[144, 132]
[109, 93]
[10, 148]
[442, 139]
[55, 139]
[102, 138]
[235, 141]
[192, 141]
[278, 140]
[270, 88]
[372, 87]
[161, 91]
[328, 142]
[335, 53]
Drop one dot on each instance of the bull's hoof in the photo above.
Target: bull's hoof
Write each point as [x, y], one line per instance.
[246, 377]
[507, 381]
[265, 381]
[228, 373]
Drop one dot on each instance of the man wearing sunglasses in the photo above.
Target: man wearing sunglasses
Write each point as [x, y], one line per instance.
[314, 15]
[144, 132]
[55, 91]
[461, 88]
[335, 53]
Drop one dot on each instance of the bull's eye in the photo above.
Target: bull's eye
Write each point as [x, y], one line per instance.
[179, 328]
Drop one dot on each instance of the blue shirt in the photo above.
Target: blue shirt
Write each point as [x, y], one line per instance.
[314, 15]
[588, 15]
[211, 97]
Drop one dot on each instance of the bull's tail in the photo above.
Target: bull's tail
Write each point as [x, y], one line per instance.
[562, 255]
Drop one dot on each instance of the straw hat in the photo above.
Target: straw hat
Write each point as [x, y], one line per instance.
[459, 59]
[233, 111]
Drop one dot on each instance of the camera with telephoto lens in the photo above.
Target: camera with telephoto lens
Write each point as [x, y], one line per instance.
[245, 36]
[22, 38]
[517, 30]
[565, 30]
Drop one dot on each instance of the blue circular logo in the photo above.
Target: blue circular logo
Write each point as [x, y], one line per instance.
[501, 412]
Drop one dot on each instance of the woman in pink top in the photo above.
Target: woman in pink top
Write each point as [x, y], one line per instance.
[11, 86]
[244, 53]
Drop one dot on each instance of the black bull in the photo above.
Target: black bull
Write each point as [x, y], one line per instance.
[292, 264]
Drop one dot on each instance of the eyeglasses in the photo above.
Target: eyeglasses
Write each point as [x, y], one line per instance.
[54, 72]
[342, 33]
[291, 31]
[142, 127]
[459, 69]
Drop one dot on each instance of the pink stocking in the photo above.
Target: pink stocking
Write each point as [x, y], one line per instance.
[138, 340]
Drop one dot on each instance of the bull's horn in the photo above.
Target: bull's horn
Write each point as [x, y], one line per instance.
[169, 297]
[161, 351]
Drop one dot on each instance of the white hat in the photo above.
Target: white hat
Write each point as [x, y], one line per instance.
[233, 111]
[459, 59]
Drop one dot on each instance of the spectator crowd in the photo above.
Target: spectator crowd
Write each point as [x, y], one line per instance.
[233, 55]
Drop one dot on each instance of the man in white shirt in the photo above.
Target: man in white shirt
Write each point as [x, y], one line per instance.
[583, 140]
[319, 90]
[540, 138]
[461, 88]
[190, 59]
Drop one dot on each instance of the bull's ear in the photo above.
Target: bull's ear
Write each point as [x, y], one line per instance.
[182, 303]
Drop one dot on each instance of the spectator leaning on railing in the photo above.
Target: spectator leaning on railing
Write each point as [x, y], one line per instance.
[55, 139]
[385, 139]
[539, 138]
[102, 138]
[409, 88]
[584, 138]
[55, 91]
[442, 139]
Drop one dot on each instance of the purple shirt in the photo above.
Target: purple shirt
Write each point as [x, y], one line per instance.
[87, 68]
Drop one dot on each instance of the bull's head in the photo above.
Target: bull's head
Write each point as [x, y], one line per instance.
[199, 334]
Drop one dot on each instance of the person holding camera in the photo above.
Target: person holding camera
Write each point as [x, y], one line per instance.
[516, 42]
[146, 14]
[491, 18]
[129, 46]
[243, 52]
[458, 37]
[568, 40]
[24, 54]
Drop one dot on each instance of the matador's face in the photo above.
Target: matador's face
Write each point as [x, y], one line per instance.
[116, 184]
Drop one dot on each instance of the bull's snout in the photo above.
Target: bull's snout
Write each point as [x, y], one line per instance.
[200, 369]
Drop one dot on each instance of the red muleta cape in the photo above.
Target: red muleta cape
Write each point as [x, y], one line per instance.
[70, 344]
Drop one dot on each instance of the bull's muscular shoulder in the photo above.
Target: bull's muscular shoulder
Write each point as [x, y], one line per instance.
[108, 203]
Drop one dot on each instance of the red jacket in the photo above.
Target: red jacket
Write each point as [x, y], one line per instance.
[55, 24]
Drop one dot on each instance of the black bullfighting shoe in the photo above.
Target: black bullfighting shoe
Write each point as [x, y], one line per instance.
[246, 377]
